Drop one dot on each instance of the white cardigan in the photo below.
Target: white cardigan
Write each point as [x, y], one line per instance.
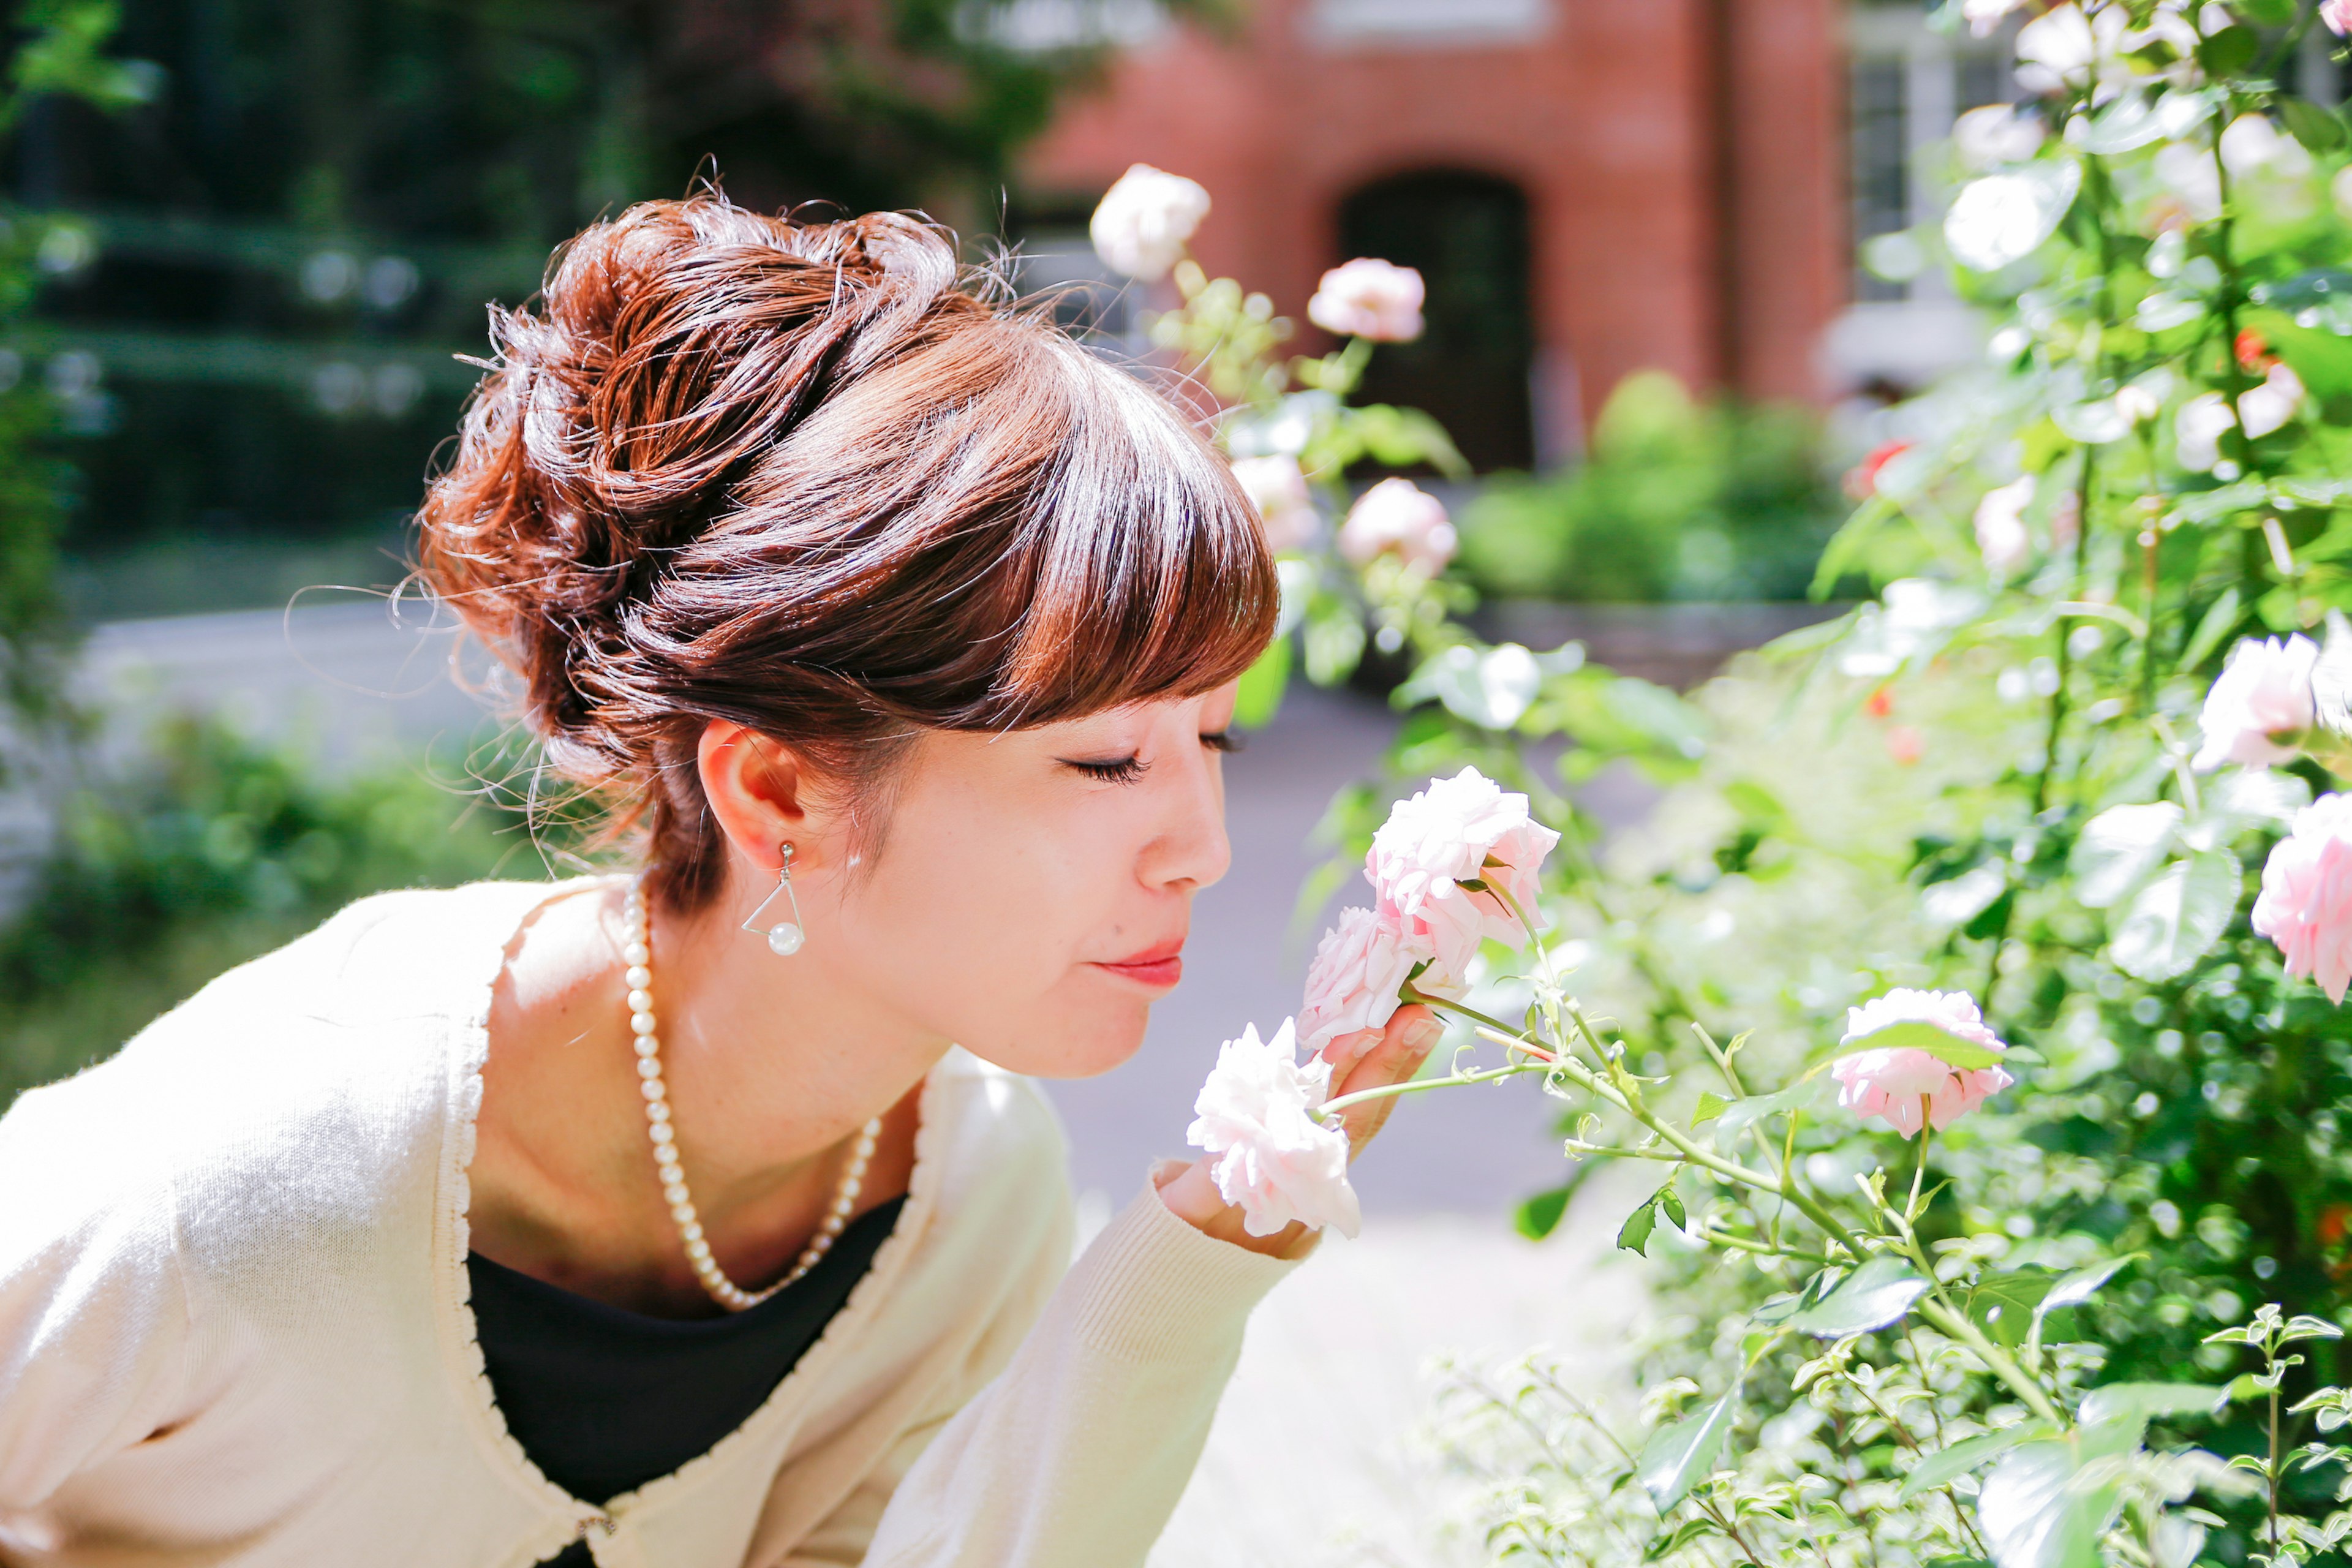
[234, 1323]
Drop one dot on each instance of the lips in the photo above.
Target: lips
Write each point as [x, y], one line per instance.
[1158, 966]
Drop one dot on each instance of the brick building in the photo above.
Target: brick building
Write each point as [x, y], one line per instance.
[1592, 187]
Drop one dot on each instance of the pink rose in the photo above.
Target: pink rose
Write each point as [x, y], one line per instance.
[1278, 489]
[1368, 298]
[1458, 830]
[1889, 1083]
[1399, 515]
[1352, 984]
[1145, 220]
[1275, 1161]
[2338, 15]
[2306, 905]
[2263, 690]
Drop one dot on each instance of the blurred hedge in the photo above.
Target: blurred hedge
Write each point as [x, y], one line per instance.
[212, 850]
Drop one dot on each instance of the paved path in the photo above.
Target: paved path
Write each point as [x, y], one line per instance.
[1311, 1446]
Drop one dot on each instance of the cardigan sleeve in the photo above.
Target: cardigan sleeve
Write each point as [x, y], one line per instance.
[1073, 1456]
[93, 1309]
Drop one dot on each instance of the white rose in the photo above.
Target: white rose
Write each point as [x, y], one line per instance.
[2198, 430]
[1368, 298]
[1146, 220]
[1275, 1160]
[1996, 134]
[1399, 515]
[2269, 407]
[2263, 690]
[2001, 537]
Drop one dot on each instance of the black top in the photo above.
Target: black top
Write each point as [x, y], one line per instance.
[605, 1400]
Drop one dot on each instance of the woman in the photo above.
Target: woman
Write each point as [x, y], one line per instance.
[706, 1216]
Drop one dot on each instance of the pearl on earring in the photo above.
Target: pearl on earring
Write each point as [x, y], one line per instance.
[785, 938]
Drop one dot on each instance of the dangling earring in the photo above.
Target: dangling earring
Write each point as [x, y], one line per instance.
[784, 937]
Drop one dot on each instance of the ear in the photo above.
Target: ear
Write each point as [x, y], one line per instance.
[759, 795]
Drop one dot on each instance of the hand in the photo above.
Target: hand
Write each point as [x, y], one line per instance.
[1371, 1059]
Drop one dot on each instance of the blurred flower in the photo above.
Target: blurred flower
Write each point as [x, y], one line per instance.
[2254, 354]
[2251, 145]
[1890, 1083]
[2269, 407]
[2263, 690]
[2338, 15]
[2138, 404]
[1278, 487]
[1996, 134]
[2198, 429]
[2001, 538]
[1862, 479]
[1881, 703]
[1368, 298]
[1399, 515]
[2187, 171]
[1145, 221]
[1275, 1160]
[1353, 982]
[1983, 16]
[2306, 905]
[1906, 744]
[2064, 48]
[1465, 829]
[2066, 519]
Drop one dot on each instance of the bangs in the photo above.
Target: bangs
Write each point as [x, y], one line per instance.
[1152, 578]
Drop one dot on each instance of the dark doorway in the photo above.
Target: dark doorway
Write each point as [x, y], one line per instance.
[1467, 235]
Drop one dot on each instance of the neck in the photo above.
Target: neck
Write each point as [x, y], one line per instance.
[772, 1064]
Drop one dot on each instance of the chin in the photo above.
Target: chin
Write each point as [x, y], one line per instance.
[1077, 1043]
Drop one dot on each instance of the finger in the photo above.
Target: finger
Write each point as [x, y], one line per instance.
[1403, 1047]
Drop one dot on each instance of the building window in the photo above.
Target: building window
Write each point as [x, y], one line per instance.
[1907, 83]
[1426, 24]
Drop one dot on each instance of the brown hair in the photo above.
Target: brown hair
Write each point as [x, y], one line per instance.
[812, 478]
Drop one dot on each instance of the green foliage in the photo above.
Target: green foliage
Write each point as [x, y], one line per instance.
[212, 851]
[1676, 499]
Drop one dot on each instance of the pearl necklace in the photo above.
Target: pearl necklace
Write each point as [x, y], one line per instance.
[637, 951]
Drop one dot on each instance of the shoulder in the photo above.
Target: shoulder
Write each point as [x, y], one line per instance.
[993, 1163]
[302, 1095]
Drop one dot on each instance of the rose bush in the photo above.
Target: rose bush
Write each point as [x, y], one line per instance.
[2008, 776]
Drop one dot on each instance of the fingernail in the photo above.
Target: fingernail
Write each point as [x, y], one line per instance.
[1363, 1045]
[1421, 1036]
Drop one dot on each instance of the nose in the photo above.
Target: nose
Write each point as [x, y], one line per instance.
[1190, 851]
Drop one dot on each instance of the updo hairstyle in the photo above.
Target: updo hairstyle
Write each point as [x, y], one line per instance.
[814, 479]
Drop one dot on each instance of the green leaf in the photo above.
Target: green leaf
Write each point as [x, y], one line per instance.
[2004, 218]
[2135, 120]
[2031, 1518]
[2003, 1305]
[1539, 1216]
[2074, 1289]
[1690, 1530]
[2229, 52]
[2146, 1400]
[1710, 1106]
[1879, 1292]
[2119, 849]
[1259, 693]
[2217, 623]
[1741, 1114]
[1949, 1463]
[1635, 1235]
[2176, 919]
[2308, 123]
[1679, 1457]
[2267, 12]
[1913, 1035]
[2303, 1327]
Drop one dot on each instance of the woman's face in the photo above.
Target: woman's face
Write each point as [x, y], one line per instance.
[1030, 891]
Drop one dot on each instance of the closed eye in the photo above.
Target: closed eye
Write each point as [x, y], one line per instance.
[1223, 741]
[1114, 770]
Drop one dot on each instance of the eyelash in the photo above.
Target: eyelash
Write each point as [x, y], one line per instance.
[1127, 770]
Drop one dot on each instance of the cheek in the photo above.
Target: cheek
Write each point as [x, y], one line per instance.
[981, 891]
